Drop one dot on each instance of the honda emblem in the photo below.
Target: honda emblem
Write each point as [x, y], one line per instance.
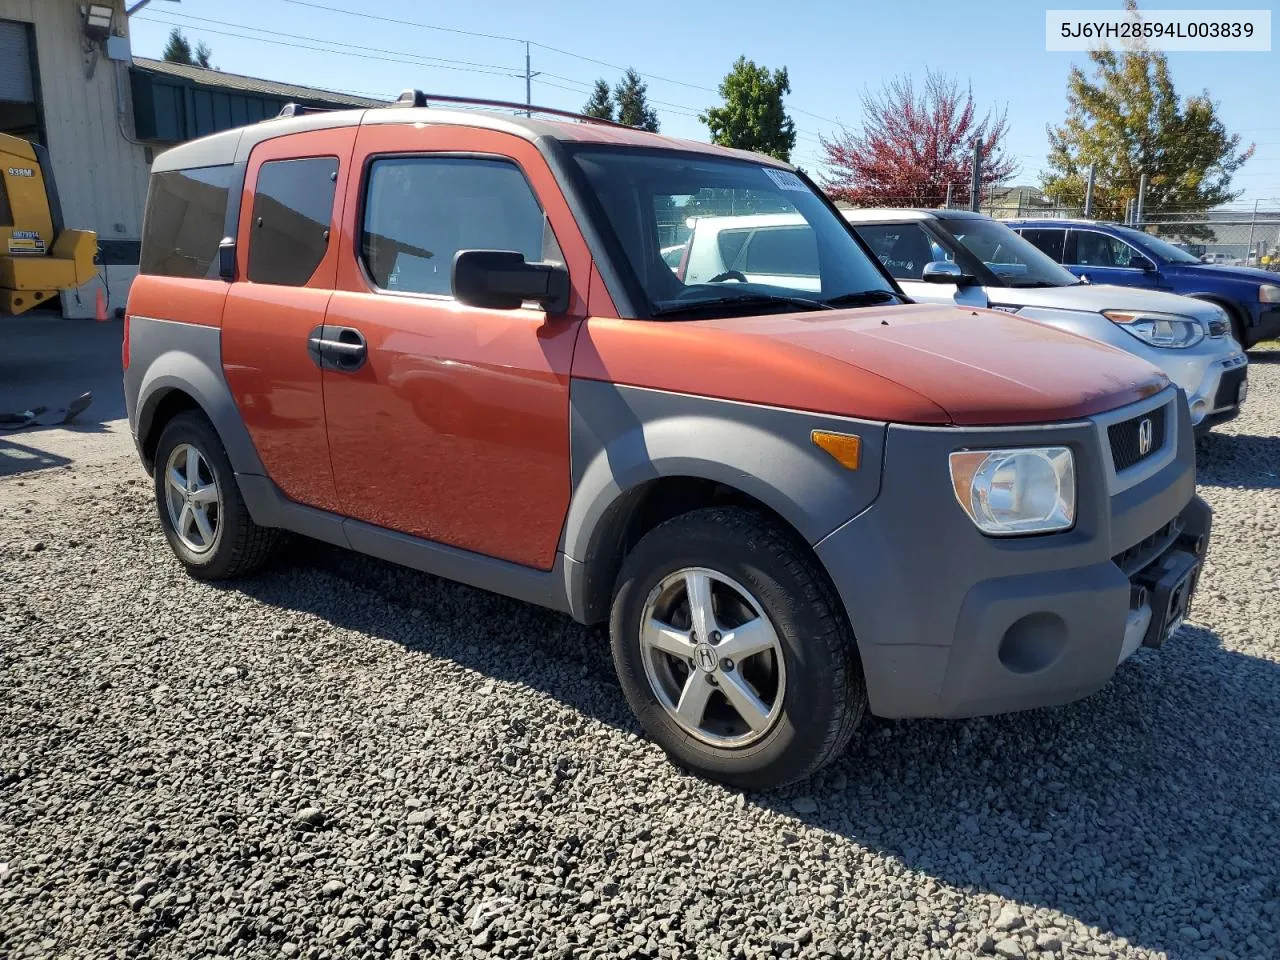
[1146, 436]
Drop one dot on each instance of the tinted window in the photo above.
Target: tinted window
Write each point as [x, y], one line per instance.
[292, 207]
[186, 213]
[1050, 242]
[1100, 250]
[1014, 261]
[420, 211]
[903, 248]
[791, 251]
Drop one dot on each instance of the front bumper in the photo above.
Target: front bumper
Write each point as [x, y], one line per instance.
[951, 623]
[1265, 326]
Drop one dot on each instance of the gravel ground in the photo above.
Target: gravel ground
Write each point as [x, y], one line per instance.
[342, 758]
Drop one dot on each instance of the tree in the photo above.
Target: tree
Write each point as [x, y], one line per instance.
[178, 49]
[631, 98]
[601, 103]
[912, 145]
[203, 55]
[753, 117]
[1128, 120]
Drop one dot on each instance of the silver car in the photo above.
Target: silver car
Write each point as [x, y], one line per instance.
[954, 256]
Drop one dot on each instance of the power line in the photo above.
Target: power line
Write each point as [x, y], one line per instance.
[535, 43]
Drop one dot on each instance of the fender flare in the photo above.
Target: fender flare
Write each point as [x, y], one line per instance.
[184, 372]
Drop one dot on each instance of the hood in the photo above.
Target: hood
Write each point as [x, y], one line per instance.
[1221, 272]
[1099, 297]
[899, 364]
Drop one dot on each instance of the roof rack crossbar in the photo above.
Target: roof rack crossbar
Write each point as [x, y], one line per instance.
[416, 98]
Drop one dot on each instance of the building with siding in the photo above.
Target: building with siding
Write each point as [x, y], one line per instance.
[105, 115]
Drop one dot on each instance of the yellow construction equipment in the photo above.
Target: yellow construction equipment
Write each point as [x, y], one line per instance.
[38, 256]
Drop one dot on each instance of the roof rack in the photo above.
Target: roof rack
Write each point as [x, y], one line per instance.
[416, 98]
[298, 110]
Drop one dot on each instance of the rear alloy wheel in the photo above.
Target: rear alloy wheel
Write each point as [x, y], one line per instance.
[203, 516]
[733, 651]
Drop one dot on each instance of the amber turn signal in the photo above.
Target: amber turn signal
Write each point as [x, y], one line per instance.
[846, 448]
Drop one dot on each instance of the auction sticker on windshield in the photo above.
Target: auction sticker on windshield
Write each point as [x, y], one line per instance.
[785, 179]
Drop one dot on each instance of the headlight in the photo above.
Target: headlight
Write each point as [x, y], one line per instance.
[1008, 492]
[1158, 329]
[1269, 293]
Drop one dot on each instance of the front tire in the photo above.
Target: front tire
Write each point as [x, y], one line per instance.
[732, 649]
[201, 511]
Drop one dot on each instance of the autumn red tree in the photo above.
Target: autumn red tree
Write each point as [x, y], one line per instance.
[912, 144]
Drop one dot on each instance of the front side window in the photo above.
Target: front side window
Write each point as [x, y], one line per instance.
[903, 248]
[751, 235]
[1010, 259]
[420, 211]
[186, 215]
[292, 207]
[1099, 250]
[1154, 245]
[1052, 243]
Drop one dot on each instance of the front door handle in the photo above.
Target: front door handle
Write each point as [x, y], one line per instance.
[337, 348]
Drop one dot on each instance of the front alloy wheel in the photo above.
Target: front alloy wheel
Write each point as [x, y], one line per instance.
[712, 657]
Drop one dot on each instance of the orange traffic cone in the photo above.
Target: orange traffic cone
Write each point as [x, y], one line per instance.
[100, 307]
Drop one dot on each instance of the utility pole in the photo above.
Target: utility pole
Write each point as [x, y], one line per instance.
[528, 81]
[1140, 201]
[1088, 192]
[948, 206]
[975, 181]
[1253, 222]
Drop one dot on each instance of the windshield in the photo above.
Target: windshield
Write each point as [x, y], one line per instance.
[1014, 261]
[1161, 248]
[711, 235]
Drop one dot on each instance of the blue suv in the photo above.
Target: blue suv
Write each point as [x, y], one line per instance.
[1110, 253]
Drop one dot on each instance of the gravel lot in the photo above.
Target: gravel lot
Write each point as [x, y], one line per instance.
[342, 758]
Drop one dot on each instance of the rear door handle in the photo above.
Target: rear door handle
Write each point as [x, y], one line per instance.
[337, 348]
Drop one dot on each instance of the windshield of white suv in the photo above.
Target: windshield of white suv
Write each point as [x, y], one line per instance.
[704, 235]
[1014, 261]
[1161, 248]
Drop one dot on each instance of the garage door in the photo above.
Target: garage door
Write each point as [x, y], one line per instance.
[15, 63]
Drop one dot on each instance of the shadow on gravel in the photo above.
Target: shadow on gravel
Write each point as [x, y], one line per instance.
[1150, 810]
[18, 458]
[1238, 460]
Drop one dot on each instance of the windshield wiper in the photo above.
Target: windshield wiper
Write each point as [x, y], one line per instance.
[863, 298]
[1038, 284]
[749, 300]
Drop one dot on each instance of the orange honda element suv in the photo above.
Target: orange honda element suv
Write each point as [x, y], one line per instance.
[451, 339]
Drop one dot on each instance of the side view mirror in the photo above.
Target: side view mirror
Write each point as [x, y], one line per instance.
[944, 271]
[502, 280]
[227, 259]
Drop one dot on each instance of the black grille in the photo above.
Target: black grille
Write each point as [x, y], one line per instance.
[1142, 554]
[1126, 448]
[1229, 387]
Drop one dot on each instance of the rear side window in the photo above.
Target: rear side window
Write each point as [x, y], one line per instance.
[292, 208]
[420, 211]
[903, 248]
[1051, 242]
[784, 252]
[186, 214]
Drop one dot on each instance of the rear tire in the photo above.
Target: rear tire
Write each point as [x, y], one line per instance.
[201, 511]
[804, 689]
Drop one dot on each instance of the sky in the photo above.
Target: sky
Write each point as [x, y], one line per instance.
[832, 52]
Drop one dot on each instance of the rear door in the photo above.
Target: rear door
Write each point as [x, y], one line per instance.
[286, 262]
[451, 422]
[904, 249]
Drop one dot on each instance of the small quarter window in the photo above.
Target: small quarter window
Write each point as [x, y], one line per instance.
[420, 211]
[186, 213]
[292, 209]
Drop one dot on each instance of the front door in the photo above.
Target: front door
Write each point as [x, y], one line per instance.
[446, 421]
[904, 249]
[287, 255]
[1107, 259]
